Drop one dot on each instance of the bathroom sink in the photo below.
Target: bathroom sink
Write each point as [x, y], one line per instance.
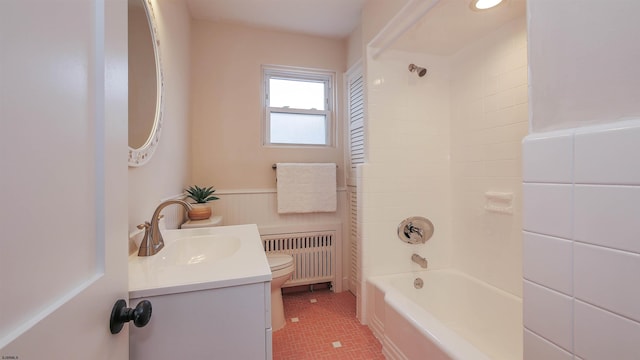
[193, 250]
[198, 259]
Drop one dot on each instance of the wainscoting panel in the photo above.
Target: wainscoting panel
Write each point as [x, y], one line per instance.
[260, 207]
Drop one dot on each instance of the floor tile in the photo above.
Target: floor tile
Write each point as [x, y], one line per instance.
[321, 325]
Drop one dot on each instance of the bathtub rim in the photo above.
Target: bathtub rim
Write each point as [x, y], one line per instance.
[447, 340]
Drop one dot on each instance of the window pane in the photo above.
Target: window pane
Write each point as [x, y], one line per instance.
[298, 129]
[296, 94]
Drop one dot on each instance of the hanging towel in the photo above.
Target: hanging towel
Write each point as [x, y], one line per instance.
[306, 188]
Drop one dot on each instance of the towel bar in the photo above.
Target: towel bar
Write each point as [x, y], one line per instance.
[274, 166]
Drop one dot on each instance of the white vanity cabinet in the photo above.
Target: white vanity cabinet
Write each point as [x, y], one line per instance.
[210, 292]
[225, 323]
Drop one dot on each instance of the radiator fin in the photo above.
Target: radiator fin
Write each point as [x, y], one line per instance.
[314, 255]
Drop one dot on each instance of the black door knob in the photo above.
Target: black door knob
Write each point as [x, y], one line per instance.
[121, 314]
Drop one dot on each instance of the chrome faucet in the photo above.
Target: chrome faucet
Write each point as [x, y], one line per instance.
[415, 230]
[419, 260]
[152, 241]
[411, 229]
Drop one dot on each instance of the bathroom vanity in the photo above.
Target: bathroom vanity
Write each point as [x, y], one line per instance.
[211, 297]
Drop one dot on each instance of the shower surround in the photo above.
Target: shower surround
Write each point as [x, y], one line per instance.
[446, 146]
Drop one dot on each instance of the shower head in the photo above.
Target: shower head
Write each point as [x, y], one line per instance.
[417, 69]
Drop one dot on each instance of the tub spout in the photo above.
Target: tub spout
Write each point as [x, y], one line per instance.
[419, 260]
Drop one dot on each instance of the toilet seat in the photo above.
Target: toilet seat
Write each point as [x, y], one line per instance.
[279, 261]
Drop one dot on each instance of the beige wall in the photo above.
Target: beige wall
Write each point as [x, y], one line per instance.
[355, 46]
[226, 138]
[375, 16]
[167, 172]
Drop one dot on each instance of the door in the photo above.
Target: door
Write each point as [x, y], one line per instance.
[355, 87]
[63, 173]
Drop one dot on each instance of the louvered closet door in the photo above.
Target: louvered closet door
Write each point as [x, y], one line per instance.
[356, 149]
[356, 121]
[354, 240]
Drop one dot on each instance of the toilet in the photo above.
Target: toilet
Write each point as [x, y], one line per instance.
[282, 267]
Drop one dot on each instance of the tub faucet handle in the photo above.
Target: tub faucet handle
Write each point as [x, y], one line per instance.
[415, 230]
[410, 229]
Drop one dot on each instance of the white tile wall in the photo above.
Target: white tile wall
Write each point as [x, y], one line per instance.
[407, 169]
[608, 154]
[596, 170]
[547, 209]
[599, 334]
[488, 121]
[548, 261]
[608, 216]
[548, 157]
[537, 348]
[548, 313]
[608, 278]
[453, 133]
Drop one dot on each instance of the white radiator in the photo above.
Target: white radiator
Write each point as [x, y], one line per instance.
[314, 254]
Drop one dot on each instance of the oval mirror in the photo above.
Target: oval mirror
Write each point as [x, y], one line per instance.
[145, 83]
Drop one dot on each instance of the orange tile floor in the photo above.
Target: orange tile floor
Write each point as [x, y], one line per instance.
[324, 326]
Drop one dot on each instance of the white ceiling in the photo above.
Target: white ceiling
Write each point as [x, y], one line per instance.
[327, 18]
[451, 25]
[444, 30]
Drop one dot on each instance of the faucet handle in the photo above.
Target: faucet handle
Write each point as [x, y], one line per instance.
[415, 230]
[146, 225]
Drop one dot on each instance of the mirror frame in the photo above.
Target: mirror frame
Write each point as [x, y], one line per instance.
[141, 155]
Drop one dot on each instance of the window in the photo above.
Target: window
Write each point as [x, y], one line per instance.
[298, 107]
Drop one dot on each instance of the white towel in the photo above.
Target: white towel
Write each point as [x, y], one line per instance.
[306, 188]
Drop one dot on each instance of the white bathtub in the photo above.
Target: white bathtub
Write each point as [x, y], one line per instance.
[453, 316]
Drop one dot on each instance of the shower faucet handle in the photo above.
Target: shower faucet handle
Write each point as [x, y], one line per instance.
[415, 230]
[410, 229]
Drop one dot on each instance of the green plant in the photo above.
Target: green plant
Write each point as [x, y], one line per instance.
[201, 194]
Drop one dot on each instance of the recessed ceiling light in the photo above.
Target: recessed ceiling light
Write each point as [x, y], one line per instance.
[484, 4]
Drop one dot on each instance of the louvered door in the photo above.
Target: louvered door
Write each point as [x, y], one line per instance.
[356, 120]
[356, 155]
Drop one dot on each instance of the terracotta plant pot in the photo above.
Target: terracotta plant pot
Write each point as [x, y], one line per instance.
[199, 212]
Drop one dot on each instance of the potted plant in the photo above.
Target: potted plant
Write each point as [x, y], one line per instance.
[201, 195]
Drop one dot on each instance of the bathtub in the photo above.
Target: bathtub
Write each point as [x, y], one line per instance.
[453, 316]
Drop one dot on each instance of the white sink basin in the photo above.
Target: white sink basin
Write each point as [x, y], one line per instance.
[201, 249]
[199, 259]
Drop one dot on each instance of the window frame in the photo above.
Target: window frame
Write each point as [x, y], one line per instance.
[298, 74]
